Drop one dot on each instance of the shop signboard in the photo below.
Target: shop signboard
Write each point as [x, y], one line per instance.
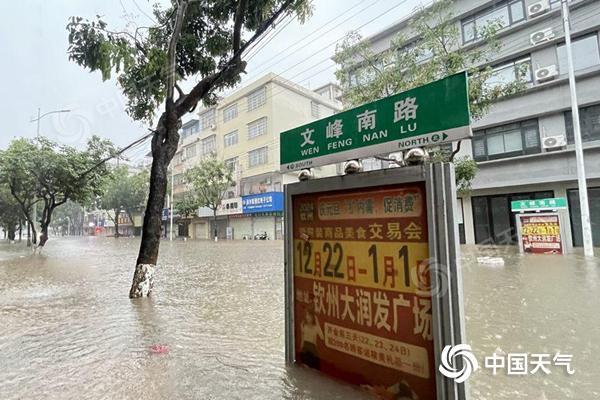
[540, 233]
[558, 203]
[427, 115]
[262, 202]
[361, 307]
[230, 206]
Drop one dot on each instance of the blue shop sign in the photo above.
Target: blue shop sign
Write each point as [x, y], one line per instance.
[262, 202]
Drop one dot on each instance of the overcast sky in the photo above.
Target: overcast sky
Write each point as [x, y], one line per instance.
[37, 73]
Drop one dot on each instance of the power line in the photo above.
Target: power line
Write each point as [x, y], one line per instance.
[330, 44]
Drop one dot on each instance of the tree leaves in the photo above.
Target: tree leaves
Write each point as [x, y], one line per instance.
[209, 181]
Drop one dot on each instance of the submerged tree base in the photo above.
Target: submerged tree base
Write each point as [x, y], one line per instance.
[143, 281]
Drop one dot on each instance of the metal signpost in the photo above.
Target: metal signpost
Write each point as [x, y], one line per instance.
[541, 225]
[432, 114]
[373, 289]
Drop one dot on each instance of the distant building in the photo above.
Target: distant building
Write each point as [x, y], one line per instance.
[243, 130]
[524, 145]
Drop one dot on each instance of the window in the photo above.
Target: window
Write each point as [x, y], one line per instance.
[189, 129]
[230, 112]
[232, 163]
[585, 54]
[507, 141]
[314, 109]
[257, 128]
[209, 145]
[503, 14]
[589, 121]
[258, 157]
[177, 158]
[190, 151]
[510, 72]
[230, 139]
[257, 98]
[207, 119]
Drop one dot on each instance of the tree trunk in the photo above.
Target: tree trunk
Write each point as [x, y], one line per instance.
[164, 146]
[216, 237]
[44, 235]
[117, 234]
[11, 233]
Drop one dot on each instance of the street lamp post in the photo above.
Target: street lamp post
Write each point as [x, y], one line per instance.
[586, 226]
[37, 135]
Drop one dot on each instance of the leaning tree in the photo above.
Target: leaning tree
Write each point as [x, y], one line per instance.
[190, 39]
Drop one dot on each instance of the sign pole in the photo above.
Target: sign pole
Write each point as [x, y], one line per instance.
[586, 227]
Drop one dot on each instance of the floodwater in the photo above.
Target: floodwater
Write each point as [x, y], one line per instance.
[68, 330]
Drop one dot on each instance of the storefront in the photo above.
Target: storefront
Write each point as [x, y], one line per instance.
[263, 216]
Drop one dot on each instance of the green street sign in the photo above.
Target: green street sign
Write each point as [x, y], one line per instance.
[428, 115]
[539, 204]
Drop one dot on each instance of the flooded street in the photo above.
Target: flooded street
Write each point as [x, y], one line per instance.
[69, 331]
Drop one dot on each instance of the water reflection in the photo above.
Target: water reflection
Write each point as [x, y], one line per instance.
[69, 331]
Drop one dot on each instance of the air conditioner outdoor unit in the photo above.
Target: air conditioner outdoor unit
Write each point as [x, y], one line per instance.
[542, 36]
[538, 8]
[554, 142]
[545, 74]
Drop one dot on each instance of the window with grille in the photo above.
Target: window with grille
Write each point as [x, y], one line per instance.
[190, 151]
[232, 163]
[230, 112]
[230, 139]
[209, 145]
[258, 157]
[257, 128]
[207, 119]
[257, 98]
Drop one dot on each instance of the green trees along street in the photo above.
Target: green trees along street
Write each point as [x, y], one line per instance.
[209, 181]
[125, 191]
[42, 172]
[188, 40]
[187, 206]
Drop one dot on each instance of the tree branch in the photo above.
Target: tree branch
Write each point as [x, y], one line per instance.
[231, 68]
[237, 24]
[172, 51]
[451, 158]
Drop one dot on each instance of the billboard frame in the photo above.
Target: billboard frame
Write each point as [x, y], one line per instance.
[445, 273]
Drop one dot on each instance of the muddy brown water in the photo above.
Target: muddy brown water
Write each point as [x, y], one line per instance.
[68, 330]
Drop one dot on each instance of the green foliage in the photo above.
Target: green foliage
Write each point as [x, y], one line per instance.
[187, 206]
[436, 53]
[209, 182]
[10, 211]
[125, 190]
[138, 56]
[41, 170]
[466, 169]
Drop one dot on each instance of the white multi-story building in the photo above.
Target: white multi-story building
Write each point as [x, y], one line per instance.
[243, 130]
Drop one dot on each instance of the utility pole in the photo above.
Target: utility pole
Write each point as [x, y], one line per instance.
[586, 226]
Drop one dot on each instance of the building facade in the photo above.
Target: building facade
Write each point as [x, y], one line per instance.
[243, 130]
[524, 145]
